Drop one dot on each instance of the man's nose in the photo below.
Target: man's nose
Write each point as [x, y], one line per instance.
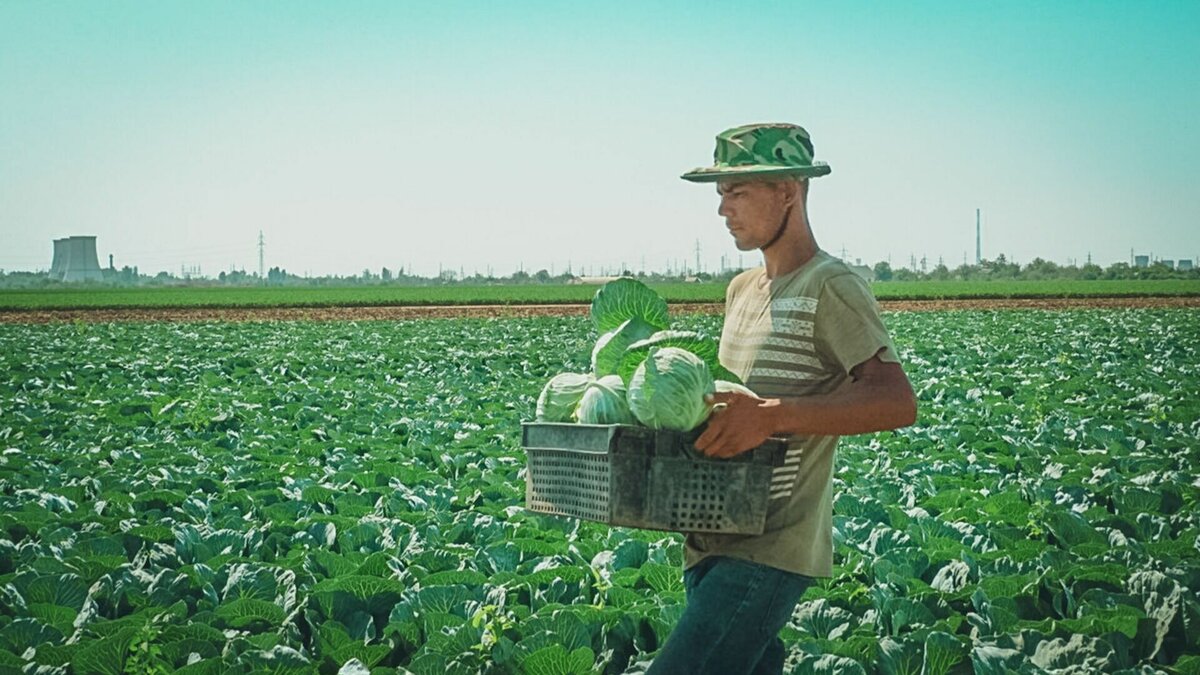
[721, 210]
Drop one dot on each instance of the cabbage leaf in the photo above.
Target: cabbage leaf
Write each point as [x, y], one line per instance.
[622, 299]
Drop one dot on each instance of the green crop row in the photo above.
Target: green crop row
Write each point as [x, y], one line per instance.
[299, 497]
[1055, 288]
[183, 297]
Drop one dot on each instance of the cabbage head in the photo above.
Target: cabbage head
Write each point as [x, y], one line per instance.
[604, 403]
[727, 386]
[610, 348]
[701, 345]
[667, 390]
[561, 396]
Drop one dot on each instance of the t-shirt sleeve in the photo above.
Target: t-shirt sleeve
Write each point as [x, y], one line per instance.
[848, 327]
[735, 286]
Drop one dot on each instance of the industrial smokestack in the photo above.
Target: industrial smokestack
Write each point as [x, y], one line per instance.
[978, 246]
[75, 260]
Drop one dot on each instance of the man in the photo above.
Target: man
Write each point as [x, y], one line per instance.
[804, 333]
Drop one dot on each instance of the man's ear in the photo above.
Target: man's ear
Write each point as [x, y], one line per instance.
[791, 192]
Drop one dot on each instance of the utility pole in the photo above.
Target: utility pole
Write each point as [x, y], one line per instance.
[697, 256]
[261, 271]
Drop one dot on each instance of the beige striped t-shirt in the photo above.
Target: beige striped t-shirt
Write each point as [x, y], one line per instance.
[799, 334]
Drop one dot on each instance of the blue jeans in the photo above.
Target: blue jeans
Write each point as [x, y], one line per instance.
[735, 609]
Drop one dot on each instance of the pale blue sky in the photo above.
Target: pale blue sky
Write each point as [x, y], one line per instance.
[481, 134]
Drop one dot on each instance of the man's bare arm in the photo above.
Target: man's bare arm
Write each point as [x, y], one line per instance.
[877, 397]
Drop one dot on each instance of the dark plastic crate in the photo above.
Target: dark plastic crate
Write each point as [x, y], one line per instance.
[639, 477]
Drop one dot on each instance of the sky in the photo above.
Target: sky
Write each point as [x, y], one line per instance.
[486, 136]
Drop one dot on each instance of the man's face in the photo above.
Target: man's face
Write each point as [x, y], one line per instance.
[752, 211]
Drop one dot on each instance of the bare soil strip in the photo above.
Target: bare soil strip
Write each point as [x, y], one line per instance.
[504, 311]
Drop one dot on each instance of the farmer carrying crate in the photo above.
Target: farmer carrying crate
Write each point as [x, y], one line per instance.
[804, 333]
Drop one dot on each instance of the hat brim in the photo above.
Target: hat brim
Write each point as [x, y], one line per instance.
[751, 171]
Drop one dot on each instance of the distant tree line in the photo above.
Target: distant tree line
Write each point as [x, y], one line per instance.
[1037, 269]
[278, 276]
[999, 269]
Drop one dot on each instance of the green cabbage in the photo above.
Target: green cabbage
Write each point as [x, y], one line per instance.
[561, 396]
[610, 348]
[701, 345]
[623, 299]
[667, 390]
[604, 403]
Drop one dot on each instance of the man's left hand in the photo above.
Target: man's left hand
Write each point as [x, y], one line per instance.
[737, 424]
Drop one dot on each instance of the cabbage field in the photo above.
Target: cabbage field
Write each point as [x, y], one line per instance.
[347, 497]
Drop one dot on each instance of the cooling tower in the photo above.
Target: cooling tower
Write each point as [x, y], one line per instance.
[56, 266]
[75, 260]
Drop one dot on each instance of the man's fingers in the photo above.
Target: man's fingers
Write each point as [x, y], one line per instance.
[706, 438]
[706, 445]
[709, 441]
[722, 451]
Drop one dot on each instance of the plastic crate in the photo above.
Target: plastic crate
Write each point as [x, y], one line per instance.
[645, 478]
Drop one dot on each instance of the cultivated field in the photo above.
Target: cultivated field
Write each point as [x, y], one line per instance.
[291, 496]
[235, 297]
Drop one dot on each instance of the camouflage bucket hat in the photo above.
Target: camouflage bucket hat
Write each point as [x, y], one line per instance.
[760, 151]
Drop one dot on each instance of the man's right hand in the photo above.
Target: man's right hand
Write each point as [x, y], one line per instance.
[738, 423]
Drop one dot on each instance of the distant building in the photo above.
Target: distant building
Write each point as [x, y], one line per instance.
[863, 271]
[1184, 265]
[75, 260]
[1167, 263]
[598, 281]
[1141, 261]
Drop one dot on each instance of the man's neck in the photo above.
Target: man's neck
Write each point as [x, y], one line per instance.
[796, 247]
